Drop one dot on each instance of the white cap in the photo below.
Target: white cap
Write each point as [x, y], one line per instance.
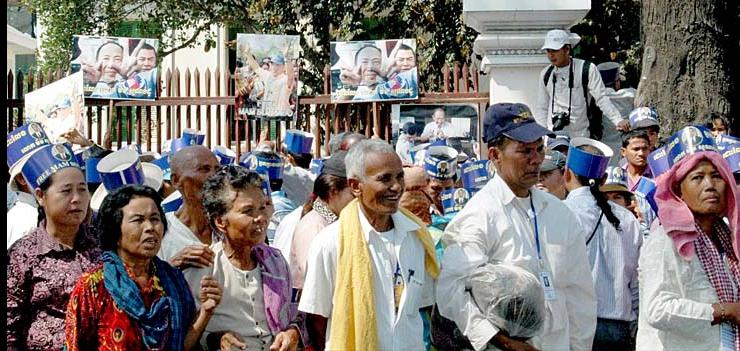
[557, 38]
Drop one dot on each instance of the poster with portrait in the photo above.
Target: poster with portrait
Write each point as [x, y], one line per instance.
[116, 68]
[59, 107]
[457, 124]
[378, 70]
[267, 75]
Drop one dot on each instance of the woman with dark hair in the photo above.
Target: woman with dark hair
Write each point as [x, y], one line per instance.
[44, 265]
[330, 194]
[689, 268]
[717, 124]
[613, 240]
[256, 310]
[134, 300]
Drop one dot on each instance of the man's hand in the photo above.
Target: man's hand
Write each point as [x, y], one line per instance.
[623, 126]
[74, 137]
[351, 76]
[503, 341]
[193, 256]
[286, 341]
[92, 72]
[229, 340]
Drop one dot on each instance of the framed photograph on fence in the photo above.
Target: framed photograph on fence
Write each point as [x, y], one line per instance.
[267, 75]
[457, 124]
[58, 106]
[378, 70]
[117, 68]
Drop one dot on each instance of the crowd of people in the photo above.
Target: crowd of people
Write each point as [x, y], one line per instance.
[546, 240]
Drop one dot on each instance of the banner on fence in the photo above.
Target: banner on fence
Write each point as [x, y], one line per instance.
[454, 125]
[378, 70]
[267, 75]
[117, 68]
[58, 106]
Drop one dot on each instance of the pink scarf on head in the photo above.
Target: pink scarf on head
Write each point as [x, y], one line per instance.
[676, 217]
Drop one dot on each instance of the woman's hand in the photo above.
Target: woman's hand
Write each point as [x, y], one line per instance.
[210, 294]
[286, 340]
[229, 339]
[726, 312]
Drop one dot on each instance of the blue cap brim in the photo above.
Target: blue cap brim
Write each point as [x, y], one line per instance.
[529, 132]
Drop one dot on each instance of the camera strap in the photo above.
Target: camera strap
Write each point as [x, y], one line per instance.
[570, 88]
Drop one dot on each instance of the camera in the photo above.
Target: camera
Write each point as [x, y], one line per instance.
[560, 120]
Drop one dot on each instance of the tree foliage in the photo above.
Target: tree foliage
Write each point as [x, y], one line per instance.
[436, 24]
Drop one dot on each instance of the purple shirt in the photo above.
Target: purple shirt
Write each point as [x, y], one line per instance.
[41, 275]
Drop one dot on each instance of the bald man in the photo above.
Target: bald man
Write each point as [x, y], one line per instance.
[188, 235]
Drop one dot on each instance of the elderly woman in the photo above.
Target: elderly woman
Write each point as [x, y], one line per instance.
[256, 310]
[45, 264]
[688, 270]
[134, 300]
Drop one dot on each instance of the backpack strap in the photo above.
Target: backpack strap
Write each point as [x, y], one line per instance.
[584, 80]
[547, 74]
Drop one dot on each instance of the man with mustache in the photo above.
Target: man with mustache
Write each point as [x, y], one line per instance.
[511, 221]
[370, 272]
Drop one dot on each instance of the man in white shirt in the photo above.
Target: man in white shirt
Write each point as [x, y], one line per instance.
[438, 128]
[23, 215]
[401, 284]
[511, 221]
[189, 233]
[562, 91]
[623, 100]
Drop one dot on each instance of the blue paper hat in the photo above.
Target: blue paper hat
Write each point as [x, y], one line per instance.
[80, 157]
[172, 202]
[439, 142]
[121, 168]
[135, 147]
[586, 164]
[91, 170]
[317, 165]
[46, 161]
[440, 161]
[265, 185]
[164, 164]
[193, 137]
[609, 72]
[176, 145]
[22, 142]
[658, 161]
[224, 155]
[730, 149]
[687, 141]
[298, 142]
[272, 165]
[642, 117]
[417, 153]
[616, 175]
[646, 189]
[475, 175]
[454, 199]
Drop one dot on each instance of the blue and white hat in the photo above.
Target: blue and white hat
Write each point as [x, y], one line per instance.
[47, 160]
[475, 175]
[658, 162]
[164, 164]
[417, 153]
[687, 141]
[609, 72]
[121, 168]
[173, 146]
[298, 142]
[193, 137]
[224, 155]
[172, 202]
[454, 199]
[440, 162]
[265, 185]
[22, 142]
[317, 165]
[646, 189]
[643, 117]
[616, 180]
[91, 170]
[586, 164]
[271, 163]
[730, 149]
[79, 156]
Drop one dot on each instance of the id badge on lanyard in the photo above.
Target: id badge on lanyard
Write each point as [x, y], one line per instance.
[548, 285]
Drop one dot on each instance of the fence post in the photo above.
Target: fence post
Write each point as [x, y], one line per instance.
[207, 82]
[446, 78]
[188, 108]
[456, 77]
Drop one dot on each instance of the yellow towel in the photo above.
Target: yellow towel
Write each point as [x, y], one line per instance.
[353, 325]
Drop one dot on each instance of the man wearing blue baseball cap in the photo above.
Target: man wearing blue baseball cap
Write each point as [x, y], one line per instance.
[565, 86]
[511, 221]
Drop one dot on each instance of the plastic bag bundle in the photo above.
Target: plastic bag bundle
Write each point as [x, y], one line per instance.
[510, 297]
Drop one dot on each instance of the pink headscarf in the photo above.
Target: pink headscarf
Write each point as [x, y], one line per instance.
[676, 217]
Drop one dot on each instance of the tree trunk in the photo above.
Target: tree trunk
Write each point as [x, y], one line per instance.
[691, 61]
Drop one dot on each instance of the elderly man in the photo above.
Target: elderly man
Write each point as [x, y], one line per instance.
[189, 234]
[370, 272]
[438, 128]
[511, 221]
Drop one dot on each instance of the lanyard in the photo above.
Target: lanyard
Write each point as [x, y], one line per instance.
[536, 230]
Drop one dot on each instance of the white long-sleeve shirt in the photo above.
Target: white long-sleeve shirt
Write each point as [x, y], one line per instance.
[612, 254]
[578, 126]
[493, 227]
[22, 217]
[676, 299]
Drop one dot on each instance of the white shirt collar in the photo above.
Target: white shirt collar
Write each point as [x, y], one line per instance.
[27, 198]
[500, 189]
[401, 224]
[583, 191]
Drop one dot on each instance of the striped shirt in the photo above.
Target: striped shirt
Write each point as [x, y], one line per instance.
[612, 254]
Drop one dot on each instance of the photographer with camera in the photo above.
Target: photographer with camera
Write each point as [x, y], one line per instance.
[564, 87]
